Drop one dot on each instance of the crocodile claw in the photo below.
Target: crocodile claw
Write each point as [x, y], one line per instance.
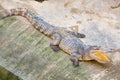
[55, 48]
[74, 61]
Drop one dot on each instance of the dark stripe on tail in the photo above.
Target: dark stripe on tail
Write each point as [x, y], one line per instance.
[37, 22]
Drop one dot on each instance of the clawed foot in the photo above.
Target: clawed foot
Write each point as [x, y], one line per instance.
[55, 48]
[74, 58]
[81, 35]
[74, 61]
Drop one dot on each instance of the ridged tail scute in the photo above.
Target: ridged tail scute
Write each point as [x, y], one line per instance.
[13, 12]
[37, 22]
[19, 12]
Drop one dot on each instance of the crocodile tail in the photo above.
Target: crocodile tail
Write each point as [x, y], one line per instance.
[37, 22]
[18, 12]
[13, 12]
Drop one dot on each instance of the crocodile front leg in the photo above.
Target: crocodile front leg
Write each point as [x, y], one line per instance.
[55, 42]
[74, 57]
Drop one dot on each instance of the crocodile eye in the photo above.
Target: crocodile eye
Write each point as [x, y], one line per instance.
[96, 47]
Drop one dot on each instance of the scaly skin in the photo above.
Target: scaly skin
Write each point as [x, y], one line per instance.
[38, 23]
[61, 39]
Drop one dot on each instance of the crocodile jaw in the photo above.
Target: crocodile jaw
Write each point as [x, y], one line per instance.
[99, 56]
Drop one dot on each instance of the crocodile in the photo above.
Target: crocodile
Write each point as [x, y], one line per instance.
[65, 40]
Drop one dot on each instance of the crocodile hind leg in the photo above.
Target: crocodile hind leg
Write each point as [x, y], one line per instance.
[76, 34]
[79, 35]
[55, 48]
[74, 57]
[55, 42]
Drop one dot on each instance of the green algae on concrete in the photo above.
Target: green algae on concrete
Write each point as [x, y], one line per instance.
[27, 51]
[6, 75]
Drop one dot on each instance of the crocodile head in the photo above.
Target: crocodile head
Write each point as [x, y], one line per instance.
[99, 55]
